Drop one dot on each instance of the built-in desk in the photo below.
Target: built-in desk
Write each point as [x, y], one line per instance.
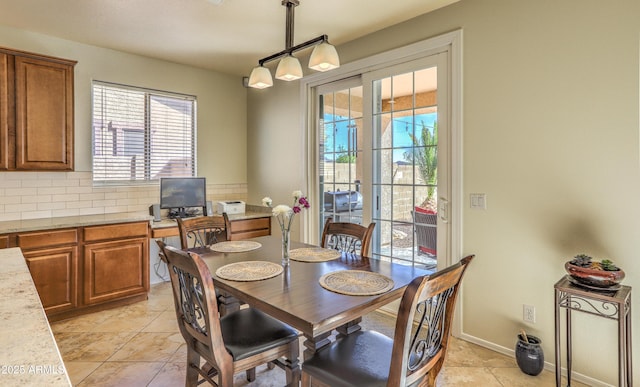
[243, 226]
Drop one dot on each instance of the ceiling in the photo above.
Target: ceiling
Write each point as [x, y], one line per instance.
[228, 36]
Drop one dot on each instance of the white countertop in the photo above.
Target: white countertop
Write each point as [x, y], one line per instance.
[29, 355]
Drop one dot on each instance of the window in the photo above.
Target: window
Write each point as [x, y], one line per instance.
[142, 135]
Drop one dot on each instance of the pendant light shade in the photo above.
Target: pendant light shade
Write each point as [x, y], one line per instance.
[289, 69]
[324, 57]
[260, 78]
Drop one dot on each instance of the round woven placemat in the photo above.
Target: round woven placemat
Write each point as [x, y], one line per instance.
[356, 282]
[235, 246]
[313, 254]
[249, 271]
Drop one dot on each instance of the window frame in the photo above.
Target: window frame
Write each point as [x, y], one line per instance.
[147, 179]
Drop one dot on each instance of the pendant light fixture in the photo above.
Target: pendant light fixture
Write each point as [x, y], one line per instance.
[323, 58]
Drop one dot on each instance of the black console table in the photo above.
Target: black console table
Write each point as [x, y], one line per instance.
[611, 304]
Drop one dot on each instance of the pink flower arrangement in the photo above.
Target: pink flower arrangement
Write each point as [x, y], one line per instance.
[283, 213]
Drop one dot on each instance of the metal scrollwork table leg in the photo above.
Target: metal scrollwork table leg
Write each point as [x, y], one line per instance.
[613, 304]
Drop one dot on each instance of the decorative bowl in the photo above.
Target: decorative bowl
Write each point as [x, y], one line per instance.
[594, 277]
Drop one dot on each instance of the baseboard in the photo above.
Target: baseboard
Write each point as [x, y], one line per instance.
[578, 377]
[392, 311]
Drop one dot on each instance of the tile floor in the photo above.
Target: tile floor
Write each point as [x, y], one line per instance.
[140, 345]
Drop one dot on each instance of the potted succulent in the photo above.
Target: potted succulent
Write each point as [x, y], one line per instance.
[585, 271]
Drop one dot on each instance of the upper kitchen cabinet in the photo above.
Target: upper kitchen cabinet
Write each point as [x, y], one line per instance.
[36, 112]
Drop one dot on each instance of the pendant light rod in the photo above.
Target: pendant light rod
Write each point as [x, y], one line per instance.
[287, 51]
[291, 7]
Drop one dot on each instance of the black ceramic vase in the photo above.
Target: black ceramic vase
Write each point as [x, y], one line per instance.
[529, 356]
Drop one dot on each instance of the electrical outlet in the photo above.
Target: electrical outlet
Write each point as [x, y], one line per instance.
[529, 313]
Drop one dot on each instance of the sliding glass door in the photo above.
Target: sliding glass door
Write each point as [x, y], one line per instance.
[382, 157]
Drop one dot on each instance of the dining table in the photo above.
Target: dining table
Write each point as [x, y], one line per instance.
[296, 295]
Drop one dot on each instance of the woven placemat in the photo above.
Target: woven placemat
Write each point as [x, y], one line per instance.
[235, 246]
[249, 271]
[356, 282]
[313, 254]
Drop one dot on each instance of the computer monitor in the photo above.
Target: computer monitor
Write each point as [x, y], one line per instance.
[181, 194]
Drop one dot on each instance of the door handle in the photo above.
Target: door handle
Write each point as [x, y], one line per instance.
[443, 210]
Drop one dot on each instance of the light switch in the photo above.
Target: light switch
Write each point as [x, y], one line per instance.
[479, 201]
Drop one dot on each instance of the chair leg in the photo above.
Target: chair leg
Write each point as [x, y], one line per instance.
[251, 374]
[193, 364]
[306, 380]
[293, 365]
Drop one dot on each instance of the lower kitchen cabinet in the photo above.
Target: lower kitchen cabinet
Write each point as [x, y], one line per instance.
[55, 274]
[115, 269]
[84, 269]
[4, 242]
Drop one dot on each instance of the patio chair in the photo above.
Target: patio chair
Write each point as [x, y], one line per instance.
[426, 232]
[415, 354]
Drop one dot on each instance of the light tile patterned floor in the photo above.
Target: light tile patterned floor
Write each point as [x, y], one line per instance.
[140, 345]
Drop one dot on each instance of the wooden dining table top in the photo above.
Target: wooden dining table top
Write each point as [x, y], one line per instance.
[296, 297]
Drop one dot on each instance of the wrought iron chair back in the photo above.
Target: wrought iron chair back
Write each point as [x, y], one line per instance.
[195, 304]
[223, 343]
[424, 325]
[347, 237]
[204, 231]
[417, 351]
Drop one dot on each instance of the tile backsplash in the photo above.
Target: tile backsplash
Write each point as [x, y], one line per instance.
[33, 195]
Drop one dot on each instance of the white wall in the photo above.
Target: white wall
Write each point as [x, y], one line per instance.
[221, 98]
[550, 96]
[221, 103]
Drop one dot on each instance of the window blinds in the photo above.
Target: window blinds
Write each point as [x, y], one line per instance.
[142, 135]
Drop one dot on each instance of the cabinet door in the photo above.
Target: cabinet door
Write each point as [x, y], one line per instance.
[6, 111]
[4, 241]
[44, 114]
[55, 273]
[115, 269]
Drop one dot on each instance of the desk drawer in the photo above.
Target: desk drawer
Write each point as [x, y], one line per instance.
[116, 231]
[250, 228]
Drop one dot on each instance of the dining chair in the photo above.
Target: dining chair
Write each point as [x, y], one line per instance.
[415, 354]
[347, 237]
[236, 342]
[204, 231]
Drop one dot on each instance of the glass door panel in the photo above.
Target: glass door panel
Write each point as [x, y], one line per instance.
[340, 155]
[405, 182]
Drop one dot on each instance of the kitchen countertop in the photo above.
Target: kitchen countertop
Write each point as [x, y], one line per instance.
[70, 221]
[13, 226]
[29, 355]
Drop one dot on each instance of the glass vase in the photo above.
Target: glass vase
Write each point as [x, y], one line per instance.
[285, 247]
